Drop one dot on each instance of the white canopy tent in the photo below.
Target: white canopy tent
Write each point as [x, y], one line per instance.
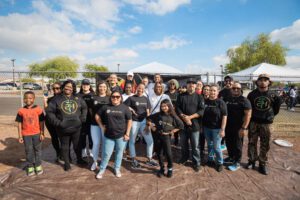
[156, 67]
[277, 73]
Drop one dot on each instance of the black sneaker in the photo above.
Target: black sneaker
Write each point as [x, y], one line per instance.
[170, 173]
[135, 164]
[219, 167]
[250, 165]
[263, 169]
[81, 162]
[210, 163]
[228, 161]
[160, 172]
[197, 168]
[151, 163]
[67, 167]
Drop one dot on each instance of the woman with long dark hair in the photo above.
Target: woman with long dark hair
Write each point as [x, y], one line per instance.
[99, 100]
[56, 88]
[165, 123]
[115, 121]
[67, 112]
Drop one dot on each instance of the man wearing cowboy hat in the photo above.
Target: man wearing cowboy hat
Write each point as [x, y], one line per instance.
[265, 106]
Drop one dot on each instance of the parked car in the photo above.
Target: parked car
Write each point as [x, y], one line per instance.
[32, 86]
[5, 86]
[12, 84]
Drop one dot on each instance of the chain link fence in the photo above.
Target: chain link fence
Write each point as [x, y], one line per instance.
[14, 84]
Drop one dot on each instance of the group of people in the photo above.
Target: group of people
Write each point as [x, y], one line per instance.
[110, 118]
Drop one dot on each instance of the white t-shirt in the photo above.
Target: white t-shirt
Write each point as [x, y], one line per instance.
[125, 96]
[155, 102]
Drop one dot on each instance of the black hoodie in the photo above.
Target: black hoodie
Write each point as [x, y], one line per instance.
[67, 113]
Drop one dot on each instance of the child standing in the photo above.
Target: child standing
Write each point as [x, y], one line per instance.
[165, 123]
[30, 120]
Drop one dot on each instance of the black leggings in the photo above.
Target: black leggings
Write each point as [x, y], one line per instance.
[234, 143]
[164, 148]
[65, 145]
[54, 137]
[85, 131]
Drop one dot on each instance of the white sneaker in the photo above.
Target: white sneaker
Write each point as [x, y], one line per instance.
[84, 153]
[91, 154]
[94, 166]
[100, 174]
[118, 174]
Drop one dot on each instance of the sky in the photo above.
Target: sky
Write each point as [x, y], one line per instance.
[191, 35]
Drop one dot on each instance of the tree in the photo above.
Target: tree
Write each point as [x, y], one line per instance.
[51, 68]
[92, 68]
[253, 52]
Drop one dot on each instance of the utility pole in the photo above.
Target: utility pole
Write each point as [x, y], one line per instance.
[13, 66]
[118, 67]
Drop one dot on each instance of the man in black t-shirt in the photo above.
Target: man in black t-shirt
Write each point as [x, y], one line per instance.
[265, 106]
[239, 114]
[190, 107]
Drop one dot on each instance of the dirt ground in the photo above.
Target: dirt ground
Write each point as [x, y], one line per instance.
[80, 183]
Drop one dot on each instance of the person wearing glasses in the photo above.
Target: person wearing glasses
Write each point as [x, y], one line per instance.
[56, 88]
[67, 112]
[214, 123]
[172, 92]
[239, 114]
[100, 99]
[115, 119]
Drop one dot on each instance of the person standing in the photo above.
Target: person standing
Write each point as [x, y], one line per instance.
[172, 92]
[265, 106]
[292, 96]
[86, 93]
[56, 87]
[165, 123]
[205, 95]
[190, 107]
[129, 79]
[115, 120]
[239, 114]
[30, 121]
[67, 112]
[99, 100]
[140, 108]
[156, 79]
[113, 84]
[127, 92]
[214, 123]
[199, 87]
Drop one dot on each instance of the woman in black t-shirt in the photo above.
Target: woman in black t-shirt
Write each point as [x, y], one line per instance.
[214, 123]
[165, 123]
[115, 121]
[99, 100]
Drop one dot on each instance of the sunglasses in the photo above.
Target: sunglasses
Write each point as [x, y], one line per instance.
[115, 97]
[56, 88]
[236, 88]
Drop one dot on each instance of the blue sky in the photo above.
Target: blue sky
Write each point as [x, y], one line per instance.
[191, 35]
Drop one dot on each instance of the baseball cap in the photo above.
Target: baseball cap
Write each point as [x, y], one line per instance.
[228, 77]
[267, 76]
[191, 80]
[85, 82]
[130, 74]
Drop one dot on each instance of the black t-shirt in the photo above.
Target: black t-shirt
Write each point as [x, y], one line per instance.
[189, 104]
[115, 119]
[213, 113]
[98, 103]
[88, 98]
[225, 93]
[139, 105]
[173, 96]
[236, 107]
[165, 123]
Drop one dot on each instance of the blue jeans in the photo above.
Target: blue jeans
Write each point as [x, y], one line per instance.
[97, 137]
[135, 129]
[194, 140]
[109, 146]
[214, 144]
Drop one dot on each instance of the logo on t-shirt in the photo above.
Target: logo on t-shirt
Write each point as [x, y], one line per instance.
[137, 103]
[69, 106]
[262, 103]
[108, 111]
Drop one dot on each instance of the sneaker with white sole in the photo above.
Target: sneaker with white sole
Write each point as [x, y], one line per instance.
[39, 170]
[94, 166]
[118, 173]
[234, 167]
[91, 154]
[223, 147]
[30, 171]
[100, 174]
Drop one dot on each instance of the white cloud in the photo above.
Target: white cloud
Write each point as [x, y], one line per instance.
[157, 7]
[169, 42]
[135, 30]
[289, 36]
[220, 60]
[197, 68]
[293, 61]
[124, 54]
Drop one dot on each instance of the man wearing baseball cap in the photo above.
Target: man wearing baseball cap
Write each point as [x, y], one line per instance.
[265, 106]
